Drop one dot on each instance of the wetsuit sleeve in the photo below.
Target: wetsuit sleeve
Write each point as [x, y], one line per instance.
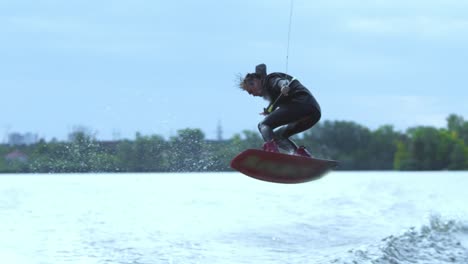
[275, 84]
[283, 82]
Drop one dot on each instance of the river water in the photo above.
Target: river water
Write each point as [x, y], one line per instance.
[345, 217]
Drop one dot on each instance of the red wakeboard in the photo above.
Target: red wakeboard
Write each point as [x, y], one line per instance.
[279, 167]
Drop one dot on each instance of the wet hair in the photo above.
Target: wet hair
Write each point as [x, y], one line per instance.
[248, 77]
[260, 73]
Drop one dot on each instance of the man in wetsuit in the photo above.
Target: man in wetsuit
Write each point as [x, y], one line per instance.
[292, 109]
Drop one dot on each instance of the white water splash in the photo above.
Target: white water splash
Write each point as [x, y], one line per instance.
[437, 243]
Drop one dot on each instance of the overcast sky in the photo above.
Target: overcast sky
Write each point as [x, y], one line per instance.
[118, 67]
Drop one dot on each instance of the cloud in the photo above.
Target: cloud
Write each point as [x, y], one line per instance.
[383, 4]
[64, 35]
[420, 26]
[38, 24]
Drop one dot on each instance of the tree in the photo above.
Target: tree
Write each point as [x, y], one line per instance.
[403, 159]
[382, 148]
[458, 159]
[146, 153]
[186, 151]
[341, 140]
[150, 153]
[458, 125]
[428, 148]
[354, 146]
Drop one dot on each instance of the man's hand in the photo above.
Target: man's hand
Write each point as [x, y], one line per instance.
[285, 90]
[284, 84]
[265, 112]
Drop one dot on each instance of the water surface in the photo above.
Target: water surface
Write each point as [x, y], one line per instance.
[345, 217]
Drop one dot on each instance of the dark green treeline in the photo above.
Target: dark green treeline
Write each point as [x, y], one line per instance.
[355, 146]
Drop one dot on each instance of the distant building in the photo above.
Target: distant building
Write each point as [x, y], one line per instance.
[16, 139]
[219, 132]
[16, 156]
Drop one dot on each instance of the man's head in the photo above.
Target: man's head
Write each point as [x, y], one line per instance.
[252, 82]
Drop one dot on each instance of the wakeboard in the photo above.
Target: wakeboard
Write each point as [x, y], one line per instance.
[280, 167]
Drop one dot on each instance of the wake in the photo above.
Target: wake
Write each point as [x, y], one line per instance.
[439, 242]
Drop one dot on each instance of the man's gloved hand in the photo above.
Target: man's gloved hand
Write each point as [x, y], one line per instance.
[284, 84]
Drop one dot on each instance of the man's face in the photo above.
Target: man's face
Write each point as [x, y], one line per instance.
[253, 87]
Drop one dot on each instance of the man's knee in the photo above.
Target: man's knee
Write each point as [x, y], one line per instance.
[262, 126]
[280, 133]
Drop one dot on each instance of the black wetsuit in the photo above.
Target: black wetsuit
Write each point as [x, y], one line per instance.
[294, 113]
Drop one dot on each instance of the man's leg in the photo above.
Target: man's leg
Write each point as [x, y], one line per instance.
[291, 120]
[282, 135]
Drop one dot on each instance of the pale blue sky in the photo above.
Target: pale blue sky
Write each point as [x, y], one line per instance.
[118, 67]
